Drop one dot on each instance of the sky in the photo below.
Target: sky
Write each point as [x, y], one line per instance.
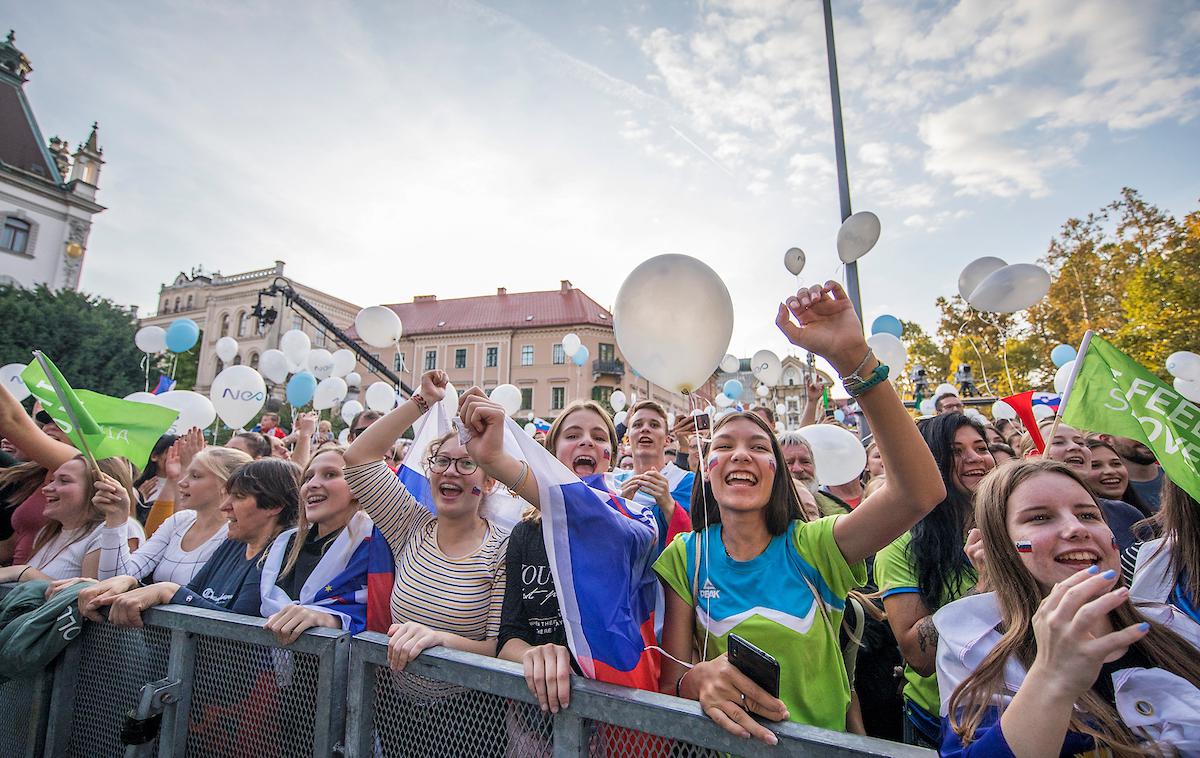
[392, 149]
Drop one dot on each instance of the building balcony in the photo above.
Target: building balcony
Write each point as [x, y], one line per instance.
[608, 368]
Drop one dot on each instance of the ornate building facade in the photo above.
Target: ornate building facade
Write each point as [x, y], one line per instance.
[47, 193]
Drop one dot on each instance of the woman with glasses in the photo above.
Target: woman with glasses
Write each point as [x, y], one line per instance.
[449, 581]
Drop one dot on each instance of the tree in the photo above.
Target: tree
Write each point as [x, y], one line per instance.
[88, 337]
[992, 344]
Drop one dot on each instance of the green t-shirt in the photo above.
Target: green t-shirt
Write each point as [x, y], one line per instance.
[788, 601]
[896, 574]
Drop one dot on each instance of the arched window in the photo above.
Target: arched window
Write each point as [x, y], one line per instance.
[237, 359]
[177, 302]
[241, 324]
[220, 365]
[15, 235]
[166, 305]
[225, 325]
[254, 360]
[189, 302]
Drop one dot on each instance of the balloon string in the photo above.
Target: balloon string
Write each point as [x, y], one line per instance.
[982, 368]
[146, 370]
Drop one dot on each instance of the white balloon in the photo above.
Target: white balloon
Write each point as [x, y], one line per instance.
[1002, 410]
[380, 397]
[762, 390]
[723, 400]
[320, 363]
[889, 350]
[1188, 388]
[945, 388]
[571, 344]
[195, 410]
[353, 379]
[1062, 375]
[378, 326]
[780, 409]
[927, 407]
[151, 339]
[766, 367]
[530, 429]
[730, 364]
[350, 409]
[620, 418]
[975, 272]
[295, 344]
[140, 397]
[670, 420]
[344, 437]
[673, 318]
[227, 350]
[1011, 289]
[617, 400]
[857, 235]
[974, 414]
[343, 362]
[508, 396]
[1042, 411]
[837, 453]
[793, 260]
[1184, 364]
[273, 365]
[238, 394]
[10, 377]
[329, 392]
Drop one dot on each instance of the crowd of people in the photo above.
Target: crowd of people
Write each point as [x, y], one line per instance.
[1038, 602]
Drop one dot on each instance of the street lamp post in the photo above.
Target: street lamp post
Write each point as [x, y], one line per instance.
[839, 148]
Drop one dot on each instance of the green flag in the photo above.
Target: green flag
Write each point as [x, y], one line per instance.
[1115, 395]
[109, 426]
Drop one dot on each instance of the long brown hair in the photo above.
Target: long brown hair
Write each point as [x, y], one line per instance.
[119, 469]
[1179, 522]
[1019, 597]
[302, 525]
[783, 505]
[19, 482]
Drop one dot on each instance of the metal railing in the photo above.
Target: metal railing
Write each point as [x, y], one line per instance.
[204, 683]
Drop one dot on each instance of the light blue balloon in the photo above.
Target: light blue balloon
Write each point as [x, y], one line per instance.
[1062, 354]
[839, 415]
[300, 389]
[886, 324]
[581, 357]
[733, 389]
[182, 335]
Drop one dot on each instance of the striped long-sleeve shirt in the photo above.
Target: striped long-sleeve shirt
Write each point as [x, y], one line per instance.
[461, 595]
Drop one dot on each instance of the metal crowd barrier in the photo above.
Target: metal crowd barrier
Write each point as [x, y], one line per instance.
[204, 683]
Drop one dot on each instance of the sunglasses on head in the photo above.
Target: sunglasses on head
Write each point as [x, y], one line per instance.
[43, 418]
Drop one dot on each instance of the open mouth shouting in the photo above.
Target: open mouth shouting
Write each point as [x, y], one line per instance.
[740, 479]
[584, 464]
[450, 491]
[645, 440]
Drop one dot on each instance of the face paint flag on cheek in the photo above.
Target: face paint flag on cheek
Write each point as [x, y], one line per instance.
[476, 491]
[606, 453]
[1114, 543]
[1023, 546]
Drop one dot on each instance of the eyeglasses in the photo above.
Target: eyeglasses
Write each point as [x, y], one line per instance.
[355, 432]
[441, 463]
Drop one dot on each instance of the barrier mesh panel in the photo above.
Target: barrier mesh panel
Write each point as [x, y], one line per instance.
[114, 665]
[416, 716]
[249, 700]
[609, 740]
[16, 713]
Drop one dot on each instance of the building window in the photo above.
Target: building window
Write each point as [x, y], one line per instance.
[166, 305]
[430, 360]
[237, 359]
[220, 366]
[319, 337]
[398, 362]
[607, 353]
[527, 398]
[493, 357]
[189, 303]
[241, 324]
[559, 356]
[15, 236]
[254, 360]
[297, 322]
[601, 395]
[744, 365]
[460, 358]
[558, 398]
[177, 302]
[225, 325]
[527, 355]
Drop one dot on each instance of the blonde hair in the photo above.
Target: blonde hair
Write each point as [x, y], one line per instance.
[118, 468]
[221, 462]
[1019, 596]
[581, 405]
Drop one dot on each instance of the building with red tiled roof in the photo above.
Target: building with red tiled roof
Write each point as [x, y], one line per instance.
[516, 338]
[47, 194]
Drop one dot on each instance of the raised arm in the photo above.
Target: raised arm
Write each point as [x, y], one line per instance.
[829, 327]
[379, 437]
[485, 420]
[20, 430]
[306, 424]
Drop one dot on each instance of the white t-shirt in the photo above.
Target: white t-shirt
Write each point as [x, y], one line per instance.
[62, 557]
[162, 554]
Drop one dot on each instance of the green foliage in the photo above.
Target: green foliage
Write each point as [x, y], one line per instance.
[89, 338]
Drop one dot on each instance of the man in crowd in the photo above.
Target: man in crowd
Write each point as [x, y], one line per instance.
[948, 402]
[802, 467]
[1145, 474]
[252, 444]
[361, 421]
[269, 425]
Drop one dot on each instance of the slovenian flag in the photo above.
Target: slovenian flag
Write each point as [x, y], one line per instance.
[1024, 403]
[601, 550]
[428, 429]
[165, 384]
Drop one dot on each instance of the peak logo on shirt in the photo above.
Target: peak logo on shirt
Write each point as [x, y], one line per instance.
[708, 591]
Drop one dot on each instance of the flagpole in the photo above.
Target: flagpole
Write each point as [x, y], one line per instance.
[62, 400]
[1066, 393]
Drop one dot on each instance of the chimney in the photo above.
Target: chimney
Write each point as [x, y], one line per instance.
[501, 290]
[425, 299]
[566, 286]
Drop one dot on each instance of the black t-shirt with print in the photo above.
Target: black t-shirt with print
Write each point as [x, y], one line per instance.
[530, 612]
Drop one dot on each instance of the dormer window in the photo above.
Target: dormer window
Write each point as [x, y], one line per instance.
[15, 235]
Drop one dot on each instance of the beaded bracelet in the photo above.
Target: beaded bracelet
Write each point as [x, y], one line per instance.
[421, 402]
[878, 376]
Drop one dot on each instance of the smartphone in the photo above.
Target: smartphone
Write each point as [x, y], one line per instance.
[703, 422]
[762, 669]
